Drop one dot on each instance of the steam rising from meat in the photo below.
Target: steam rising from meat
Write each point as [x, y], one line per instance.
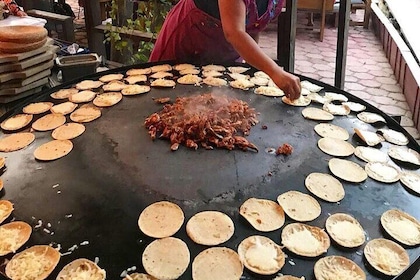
[207, 120]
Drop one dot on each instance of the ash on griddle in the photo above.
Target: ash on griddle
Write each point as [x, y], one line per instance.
[208, 120]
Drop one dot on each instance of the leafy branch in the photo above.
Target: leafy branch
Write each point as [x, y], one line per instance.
[148, 17]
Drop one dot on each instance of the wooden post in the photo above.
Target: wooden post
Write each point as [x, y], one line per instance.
[93, 18]
[286, 35]
[322, 28]
[368, 9]
[125, 11]
[342, 36]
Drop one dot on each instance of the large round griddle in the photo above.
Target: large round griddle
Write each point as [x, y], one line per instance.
[115, 170]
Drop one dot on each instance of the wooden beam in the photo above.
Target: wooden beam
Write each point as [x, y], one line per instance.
[286, 35]
[342, 38]
[135, 35]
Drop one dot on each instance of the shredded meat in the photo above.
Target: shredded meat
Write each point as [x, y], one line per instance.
[205, 120]
[162, 100]
[285, 149]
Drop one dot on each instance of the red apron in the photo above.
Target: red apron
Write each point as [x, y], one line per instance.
[190, 35]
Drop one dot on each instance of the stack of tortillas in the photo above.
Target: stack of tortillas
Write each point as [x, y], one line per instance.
[18, 39]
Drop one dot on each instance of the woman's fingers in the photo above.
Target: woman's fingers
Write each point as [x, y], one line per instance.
[290, 84]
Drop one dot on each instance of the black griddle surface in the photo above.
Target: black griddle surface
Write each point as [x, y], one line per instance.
[115, 170]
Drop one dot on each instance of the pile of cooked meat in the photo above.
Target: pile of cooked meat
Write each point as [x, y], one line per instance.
[206, 120]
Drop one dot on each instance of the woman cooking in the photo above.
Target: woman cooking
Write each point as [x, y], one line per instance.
[222, 31]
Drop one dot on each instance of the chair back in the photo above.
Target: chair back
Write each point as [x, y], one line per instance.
[315, 5]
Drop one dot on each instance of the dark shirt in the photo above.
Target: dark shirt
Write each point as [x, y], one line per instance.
[63, 9]
[211, 7]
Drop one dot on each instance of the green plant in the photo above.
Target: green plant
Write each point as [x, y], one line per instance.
[148, 17]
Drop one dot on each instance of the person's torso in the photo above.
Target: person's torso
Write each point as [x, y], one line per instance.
[259, 12]
[211, 7]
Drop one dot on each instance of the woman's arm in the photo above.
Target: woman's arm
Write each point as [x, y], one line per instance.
[233, 16]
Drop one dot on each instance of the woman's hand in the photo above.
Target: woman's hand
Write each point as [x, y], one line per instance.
[233, 17]
[289, 83]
